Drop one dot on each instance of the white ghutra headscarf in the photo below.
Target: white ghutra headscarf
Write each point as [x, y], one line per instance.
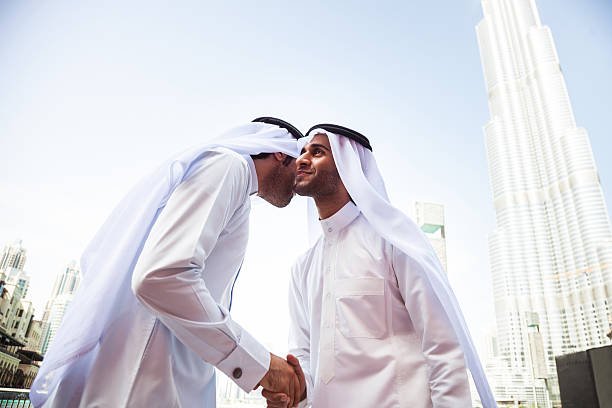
[108, 262]
[363, 181]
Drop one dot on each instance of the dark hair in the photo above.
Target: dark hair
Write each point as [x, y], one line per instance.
[286, 161]
[260, 156]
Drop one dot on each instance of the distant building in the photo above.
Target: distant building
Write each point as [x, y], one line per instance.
[15, 310]
[68, 281]
[507, 385]
[430, 218]
[13, 256]
[14, 305]
[33, 335]
[19, 333]
[66, 284]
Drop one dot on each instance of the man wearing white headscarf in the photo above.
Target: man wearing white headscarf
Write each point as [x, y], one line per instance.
[151, 318]
[374, 322]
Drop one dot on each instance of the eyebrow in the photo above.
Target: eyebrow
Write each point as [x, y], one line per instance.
[312, 145]
[319, 145]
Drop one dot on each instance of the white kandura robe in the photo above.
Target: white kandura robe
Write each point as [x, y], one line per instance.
[161, 352]
[367, 330]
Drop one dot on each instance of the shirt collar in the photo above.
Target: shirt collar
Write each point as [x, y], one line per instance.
[254, 183]
[340, 219]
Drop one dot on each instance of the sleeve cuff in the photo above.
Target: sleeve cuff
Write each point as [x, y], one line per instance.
[247, 364]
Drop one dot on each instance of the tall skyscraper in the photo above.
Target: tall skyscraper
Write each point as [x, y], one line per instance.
[13, 256]
[430, 218]
[66, 284]
[68, 281]
[551, 251]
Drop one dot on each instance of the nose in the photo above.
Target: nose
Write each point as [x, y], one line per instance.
[303, 160]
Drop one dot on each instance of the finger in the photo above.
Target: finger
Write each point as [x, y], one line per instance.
[291, 392]
[293, 360]
[272, 404]
[275, 397]
[295, 363]
[277, 404]
[296, 390]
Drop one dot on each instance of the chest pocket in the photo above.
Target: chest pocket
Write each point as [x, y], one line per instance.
[360, 307]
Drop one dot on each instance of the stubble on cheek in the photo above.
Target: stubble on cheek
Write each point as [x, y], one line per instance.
[323, 184]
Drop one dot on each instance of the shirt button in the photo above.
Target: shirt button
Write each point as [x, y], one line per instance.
[330, 229]
[237, 373]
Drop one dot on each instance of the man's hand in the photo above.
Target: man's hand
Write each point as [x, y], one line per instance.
[281, 400]
[282, 378]
[275, 399]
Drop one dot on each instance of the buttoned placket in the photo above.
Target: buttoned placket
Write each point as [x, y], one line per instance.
[328, 309]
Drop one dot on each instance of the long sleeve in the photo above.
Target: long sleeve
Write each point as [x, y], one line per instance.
[172, 277]
[299, 330]
[447, 371]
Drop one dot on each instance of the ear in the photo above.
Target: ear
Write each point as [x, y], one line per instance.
[279, 156]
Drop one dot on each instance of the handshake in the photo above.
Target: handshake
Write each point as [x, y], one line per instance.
[284, 385]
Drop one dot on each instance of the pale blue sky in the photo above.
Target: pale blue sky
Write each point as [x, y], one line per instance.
[94, 94]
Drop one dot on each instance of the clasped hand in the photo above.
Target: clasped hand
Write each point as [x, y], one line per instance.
[284, 383]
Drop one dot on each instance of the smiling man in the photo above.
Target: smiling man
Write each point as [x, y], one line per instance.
[367, 322]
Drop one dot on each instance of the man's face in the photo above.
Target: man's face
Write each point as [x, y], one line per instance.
[317, 175]
[277, 188]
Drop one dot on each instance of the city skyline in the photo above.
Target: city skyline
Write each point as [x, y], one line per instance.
[95, 97]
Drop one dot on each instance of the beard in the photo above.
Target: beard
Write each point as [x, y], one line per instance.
[279, 185]
[324, 183]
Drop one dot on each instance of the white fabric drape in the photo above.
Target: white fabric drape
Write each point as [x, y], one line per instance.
[109, 260]
[359, 173]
